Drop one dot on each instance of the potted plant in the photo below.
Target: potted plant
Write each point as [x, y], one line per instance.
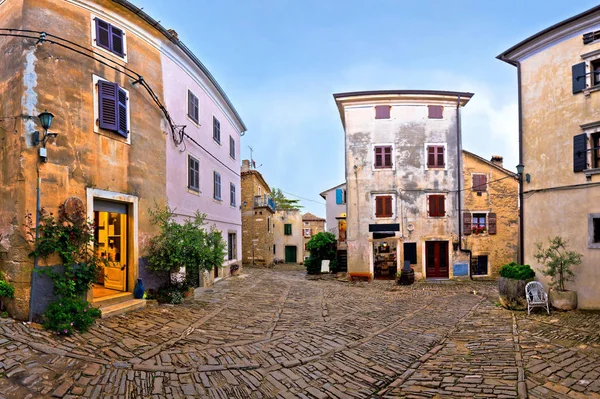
[511, 285]
[558, 262]
[234, 269]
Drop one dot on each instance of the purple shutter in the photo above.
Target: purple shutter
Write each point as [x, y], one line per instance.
[440, 156]
[382, 112]
[107, 104]
[103, 34]
[388, 157]
[436, 111]
[116, 36]
[122, 114]
[378, 157]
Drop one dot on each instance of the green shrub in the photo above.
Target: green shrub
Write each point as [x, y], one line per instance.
[7, 291]
[172, 294]
[517, 272]
[322, 246]
[558, 261]
[68, 314]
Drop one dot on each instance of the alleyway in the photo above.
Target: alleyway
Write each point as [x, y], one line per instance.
[275, 334]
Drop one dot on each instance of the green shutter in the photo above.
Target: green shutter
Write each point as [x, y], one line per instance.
[287, 229]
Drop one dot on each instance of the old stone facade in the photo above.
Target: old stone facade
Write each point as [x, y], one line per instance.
[403, 176]
[311, 225]
[112, 136]
[559, 136]
[289, 240]
[258, 218]
[490, 214]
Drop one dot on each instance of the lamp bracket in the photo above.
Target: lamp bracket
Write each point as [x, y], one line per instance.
[140, 79]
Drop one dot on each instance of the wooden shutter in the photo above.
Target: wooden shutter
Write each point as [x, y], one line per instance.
[440, 156]
[580, 152]
[491, 223]
[231, 147]
[387, 157]
[436, 111]
[432, 205]
[378, 206]
[430, 156]
[216, 130]
[479, 182]
[441, 200]
[192, 106]
[107, 104]
[122, 113]
[338, 196]
[378, 157]
[382, 112]
[475, 182]
[387, 206]
[102, 34]
[578, 71]
[116, 36]
[467, 223]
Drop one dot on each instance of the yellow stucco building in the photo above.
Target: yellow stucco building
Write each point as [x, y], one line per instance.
[559, 134]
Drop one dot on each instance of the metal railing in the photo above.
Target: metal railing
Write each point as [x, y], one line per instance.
[264, 201]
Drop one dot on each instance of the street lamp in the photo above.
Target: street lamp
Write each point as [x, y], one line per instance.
[46, 121]
[520, 169]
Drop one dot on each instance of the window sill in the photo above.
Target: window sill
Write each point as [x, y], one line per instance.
[192, 191]
[592, 89]
[114, 136]
[219, 201]
[217, 142]
[197, 124]
[592, 171]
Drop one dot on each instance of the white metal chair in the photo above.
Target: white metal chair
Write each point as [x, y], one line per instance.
[536, 296]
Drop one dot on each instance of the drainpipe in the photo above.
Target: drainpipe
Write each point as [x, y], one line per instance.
[460, 179]
[521, 204]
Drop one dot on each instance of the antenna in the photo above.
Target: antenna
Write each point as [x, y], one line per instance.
[252, 164]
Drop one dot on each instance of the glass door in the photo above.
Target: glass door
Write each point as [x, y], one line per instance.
[111, 241]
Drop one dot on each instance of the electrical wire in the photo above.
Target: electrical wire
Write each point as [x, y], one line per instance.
[306, 199]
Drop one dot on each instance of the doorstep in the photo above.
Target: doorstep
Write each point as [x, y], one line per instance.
[122, 307]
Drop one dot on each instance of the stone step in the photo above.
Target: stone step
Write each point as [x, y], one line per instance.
[112, 299]
[122, 307]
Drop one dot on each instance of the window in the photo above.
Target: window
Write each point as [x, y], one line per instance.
[436, 112]
[113, 102]
[474, 223]
[591, 37]
[479, 265]
[435, 156]
[193, 109]
[287, 229]
[231, 147]
[306, 232]
[273, 249]
[193, 173]
[259, 190]
[479, 182]
[410, 252]
[231, 246]
[382, 112]
[595, 67]
[217, 186]
[437, 206]
[594, 230]
[268, 224]
[216, 130]
[306, 246]
[478, 221]
[110, 38]
[340, 196]
[383, 206]
[383, 157]
[231, 194]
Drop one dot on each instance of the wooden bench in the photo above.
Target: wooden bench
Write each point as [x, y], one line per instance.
[360, 275]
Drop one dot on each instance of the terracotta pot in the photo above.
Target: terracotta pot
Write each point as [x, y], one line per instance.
[563, 300]
[512, 293]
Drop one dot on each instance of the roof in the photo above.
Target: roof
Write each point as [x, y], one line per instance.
[403, 92]
[505, 56]
[310, 217]
[258, 175]
[508, 172]
[332, 188]
[173, 38]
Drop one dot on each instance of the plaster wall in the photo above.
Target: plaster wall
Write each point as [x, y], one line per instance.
[408, 130]
[333, 210]
[295, 239]
[316, 227]
[552, 116]
[501, 198]
[50, 77]
[258, 230]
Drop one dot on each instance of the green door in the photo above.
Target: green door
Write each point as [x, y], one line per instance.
[290, 254]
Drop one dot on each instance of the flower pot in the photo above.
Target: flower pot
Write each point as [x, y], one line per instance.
[563, 300]
[512, 293]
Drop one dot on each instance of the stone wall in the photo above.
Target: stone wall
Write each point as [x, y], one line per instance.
[257, 223]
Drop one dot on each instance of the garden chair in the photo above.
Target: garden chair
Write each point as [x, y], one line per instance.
[536, 296]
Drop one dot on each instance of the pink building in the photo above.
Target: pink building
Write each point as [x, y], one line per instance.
[203, 173]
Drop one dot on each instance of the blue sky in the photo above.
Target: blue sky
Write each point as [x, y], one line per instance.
[279, 61]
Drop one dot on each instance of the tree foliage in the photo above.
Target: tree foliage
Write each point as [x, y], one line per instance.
[558, 261]
[283, 203]
[322, 246]
[517, 272]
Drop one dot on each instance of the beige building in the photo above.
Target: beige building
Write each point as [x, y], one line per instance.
[559, 135]
[490, 214]
[403, 176]
[289, 240]
[311, 225]
[258, 210]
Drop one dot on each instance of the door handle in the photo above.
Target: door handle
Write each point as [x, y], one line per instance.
[123, 268]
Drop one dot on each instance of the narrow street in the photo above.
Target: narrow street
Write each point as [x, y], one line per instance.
[275, 334]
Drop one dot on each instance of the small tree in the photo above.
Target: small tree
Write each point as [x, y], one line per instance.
[558, 261]
[283, 203]
[322, 246]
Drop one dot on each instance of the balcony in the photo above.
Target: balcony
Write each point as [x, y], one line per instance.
[264, 201]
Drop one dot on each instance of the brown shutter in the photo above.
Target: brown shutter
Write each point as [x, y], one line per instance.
[378, 206]
[467, 223]
[441, 206]
[378, 157]
[475, 182]
[431, 156]
[491, 223]
[436, 111]
[388, 206]
[440, 157]
[387, 160]
[432, 205]
[382, 112]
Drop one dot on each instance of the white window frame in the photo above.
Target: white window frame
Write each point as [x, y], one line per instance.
[373, 155]
[374, 204]
[427, 155]
[105, 51]
[306, 232]
[115, 136]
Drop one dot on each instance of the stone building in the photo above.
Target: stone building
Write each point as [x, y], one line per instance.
[311, 225]
[403, 176]
[288, 241]
[559, 136]
[490, 214]
[258, 221]
[113, 131]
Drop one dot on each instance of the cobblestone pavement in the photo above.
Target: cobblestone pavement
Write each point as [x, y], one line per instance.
[275, 334]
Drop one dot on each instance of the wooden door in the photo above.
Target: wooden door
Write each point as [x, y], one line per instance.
[436, 254]
[290, 254]
[112, 246]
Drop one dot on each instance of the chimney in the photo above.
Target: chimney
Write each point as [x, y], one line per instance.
[497, 160]
[173, 33]
[245, 165]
